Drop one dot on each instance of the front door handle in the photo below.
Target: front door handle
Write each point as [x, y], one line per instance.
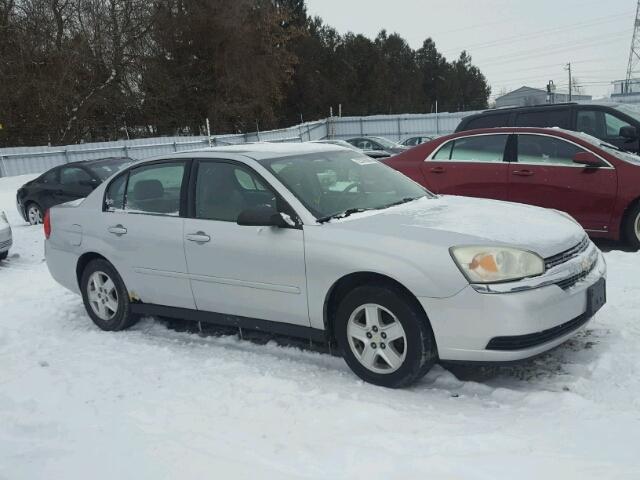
[523, 173]
[117, 230]
[438, 169]
[198, 237]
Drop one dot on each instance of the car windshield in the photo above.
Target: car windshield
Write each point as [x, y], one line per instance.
[630, 109]
[106, 168]
[338, 183]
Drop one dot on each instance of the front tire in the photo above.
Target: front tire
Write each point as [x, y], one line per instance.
[384, 336]
[34, 213]
[4, 255]
[105, 296]
[632, 226]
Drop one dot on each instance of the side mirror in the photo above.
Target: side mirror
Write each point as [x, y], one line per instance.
[264, 216]
[629, 132]
[587, 159]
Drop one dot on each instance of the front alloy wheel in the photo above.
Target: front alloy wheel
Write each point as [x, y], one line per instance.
[384, 335]
[377, 338]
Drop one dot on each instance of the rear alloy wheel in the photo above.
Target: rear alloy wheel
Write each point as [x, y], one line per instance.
[384, 336]
[34, 214]
[632, 227]
[105, 296]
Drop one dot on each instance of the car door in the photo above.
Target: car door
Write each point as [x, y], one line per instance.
[545, 175]
[471, 166]
[75, 182]
[254, 272]
[142, 230]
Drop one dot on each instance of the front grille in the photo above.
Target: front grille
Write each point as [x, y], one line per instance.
[5, 244]
[567, 255]
[572, 280]
[519, 342]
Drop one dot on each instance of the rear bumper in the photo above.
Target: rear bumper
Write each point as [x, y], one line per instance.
[61, 265]
[502, 327]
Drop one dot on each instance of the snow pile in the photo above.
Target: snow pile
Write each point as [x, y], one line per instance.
[151, 403]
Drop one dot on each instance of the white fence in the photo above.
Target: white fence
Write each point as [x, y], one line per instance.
[21, 160]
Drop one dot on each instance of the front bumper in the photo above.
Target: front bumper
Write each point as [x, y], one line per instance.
[537, 311]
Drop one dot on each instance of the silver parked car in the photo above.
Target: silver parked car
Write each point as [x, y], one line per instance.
[320, 242]
[6, 237]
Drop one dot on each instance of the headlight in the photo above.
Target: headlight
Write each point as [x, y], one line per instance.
[496, 264]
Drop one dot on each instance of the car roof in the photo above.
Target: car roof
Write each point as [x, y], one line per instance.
[556, 131]
[267, 151]
[96, 161]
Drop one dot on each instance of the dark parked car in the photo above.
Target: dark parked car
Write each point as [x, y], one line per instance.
[377, 144]
[594, 182]
[614, 123]
[63, 184]
[419, 140]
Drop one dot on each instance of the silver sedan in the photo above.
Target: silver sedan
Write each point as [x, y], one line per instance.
[6, 237]
[322, 242]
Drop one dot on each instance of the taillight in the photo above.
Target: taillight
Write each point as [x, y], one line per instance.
[47, 224]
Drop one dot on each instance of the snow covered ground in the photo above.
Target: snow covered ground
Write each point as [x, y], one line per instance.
[153, 403]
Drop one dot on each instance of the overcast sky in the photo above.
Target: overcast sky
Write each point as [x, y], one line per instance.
[513, 42]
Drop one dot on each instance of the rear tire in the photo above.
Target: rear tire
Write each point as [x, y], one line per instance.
[384, 336]
[4, 255]
[632, 226]
[105, 296]
[34, 213]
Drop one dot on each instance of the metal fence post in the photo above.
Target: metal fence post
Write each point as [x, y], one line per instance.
[66, 155]
[175, 146]
[3, 168]
[361, 128]
[126, 150]
[399, 130]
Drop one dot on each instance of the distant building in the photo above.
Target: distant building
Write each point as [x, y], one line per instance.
[527, 96]
[620, 93]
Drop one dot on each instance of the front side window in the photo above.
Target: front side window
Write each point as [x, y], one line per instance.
[51, 176]
[538, 149]
[155, 189]
[613, 125]
[328, 183]
[224, 190]
[481, 148]
[74, 176]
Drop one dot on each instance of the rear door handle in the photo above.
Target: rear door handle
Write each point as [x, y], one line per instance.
[438, 169]
[117, 230]
[198, 237]
[523, 173]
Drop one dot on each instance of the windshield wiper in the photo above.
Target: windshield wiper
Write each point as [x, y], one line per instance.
[343, 214]
[399, 202]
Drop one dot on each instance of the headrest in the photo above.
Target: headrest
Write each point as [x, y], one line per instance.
[148, 189]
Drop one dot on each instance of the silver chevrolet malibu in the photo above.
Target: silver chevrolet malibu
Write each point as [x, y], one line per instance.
[6, 237]
[321, 242]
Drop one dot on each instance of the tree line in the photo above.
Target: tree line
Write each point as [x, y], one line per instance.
[92, 70]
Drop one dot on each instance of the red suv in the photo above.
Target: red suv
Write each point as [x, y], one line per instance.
[596, 183]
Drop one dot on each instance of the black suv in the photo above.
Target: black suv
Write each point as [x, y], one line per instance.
[615, 123]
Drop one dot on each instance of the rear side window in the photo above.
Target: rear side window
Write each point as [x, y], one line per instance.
[488, 121]
[590, 122]
[51, 176]
[544, 118]
[614, 124]
[481, 148]
[155, 189]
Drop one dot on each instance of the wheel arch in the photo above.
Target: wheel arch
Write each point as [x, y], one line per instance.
[347, 283]
[83, 261]
[625, 216]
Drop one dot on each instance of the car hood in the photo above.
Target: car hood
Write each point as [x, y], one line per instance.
[452, 220]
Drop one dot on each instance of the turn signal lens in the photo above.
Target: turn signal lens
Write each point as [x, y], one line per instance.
[496, 264]
[47, 225]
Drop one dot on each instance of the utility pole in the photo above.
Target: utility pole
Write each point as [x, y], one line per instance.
[634, 53]
[568, 67]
